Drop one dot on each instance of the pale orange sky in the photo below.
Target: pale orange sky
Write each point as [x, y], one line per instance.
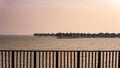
[38, 16]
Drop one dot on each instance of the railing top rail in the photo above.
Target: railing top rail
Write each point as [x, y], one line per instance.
[65, 50]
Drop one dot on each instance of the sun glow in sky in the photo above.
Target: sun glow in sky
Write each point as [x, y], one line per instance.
[117, 3]
[34, 16]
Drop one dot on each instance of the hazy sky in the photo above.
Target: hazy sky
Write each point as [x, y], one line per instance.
[35, 16]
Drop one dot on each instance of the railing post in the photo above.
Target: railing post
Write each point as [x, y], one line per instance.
[56, 59]
[34, 59]
[99, 59]
[12, 59]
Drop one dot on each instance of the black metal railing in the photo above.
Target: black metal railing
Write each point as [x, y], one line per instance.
[59, 59]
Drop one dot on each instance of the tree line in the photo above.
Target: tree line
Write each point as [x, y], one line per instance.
[44, 34]
[80, 35]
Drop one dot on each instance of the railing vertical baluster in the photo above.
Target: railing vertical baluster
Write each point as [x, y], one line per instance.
[16, 59]
[95, 59]
[56, 59]
[43, 59]
[60, 59]
[39, 59]
[119, 59]
[46, 59]
[30, 59]
[27, 60]
[109, 58]
[2, 58]
[113, 59]
[67, 59]
[64, 59]
[106, 59]
[53, 59]
[12, 59]
[99, 59]
[103, 60]
[92, 61]
[85, 59]
[23, 59]
[88, 59]
[71, 59]
[82, 60]
[74, 59]
[5, 60]
[20, 59]
[49, 59]
[78, 59]
[8, 59]
[35, 58]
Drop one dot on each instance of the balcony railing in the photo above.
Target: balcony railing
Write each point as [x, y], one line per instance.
[59, 59]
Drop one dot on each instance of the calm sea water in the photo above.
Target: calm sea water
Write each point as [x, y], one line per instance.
[29, 42]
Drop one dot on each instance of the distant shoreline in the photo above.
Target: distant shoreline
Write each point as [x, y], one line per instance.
[80, 35]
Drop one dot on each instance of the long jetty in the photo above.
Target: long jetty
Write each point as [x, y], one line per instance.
[80, 35]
